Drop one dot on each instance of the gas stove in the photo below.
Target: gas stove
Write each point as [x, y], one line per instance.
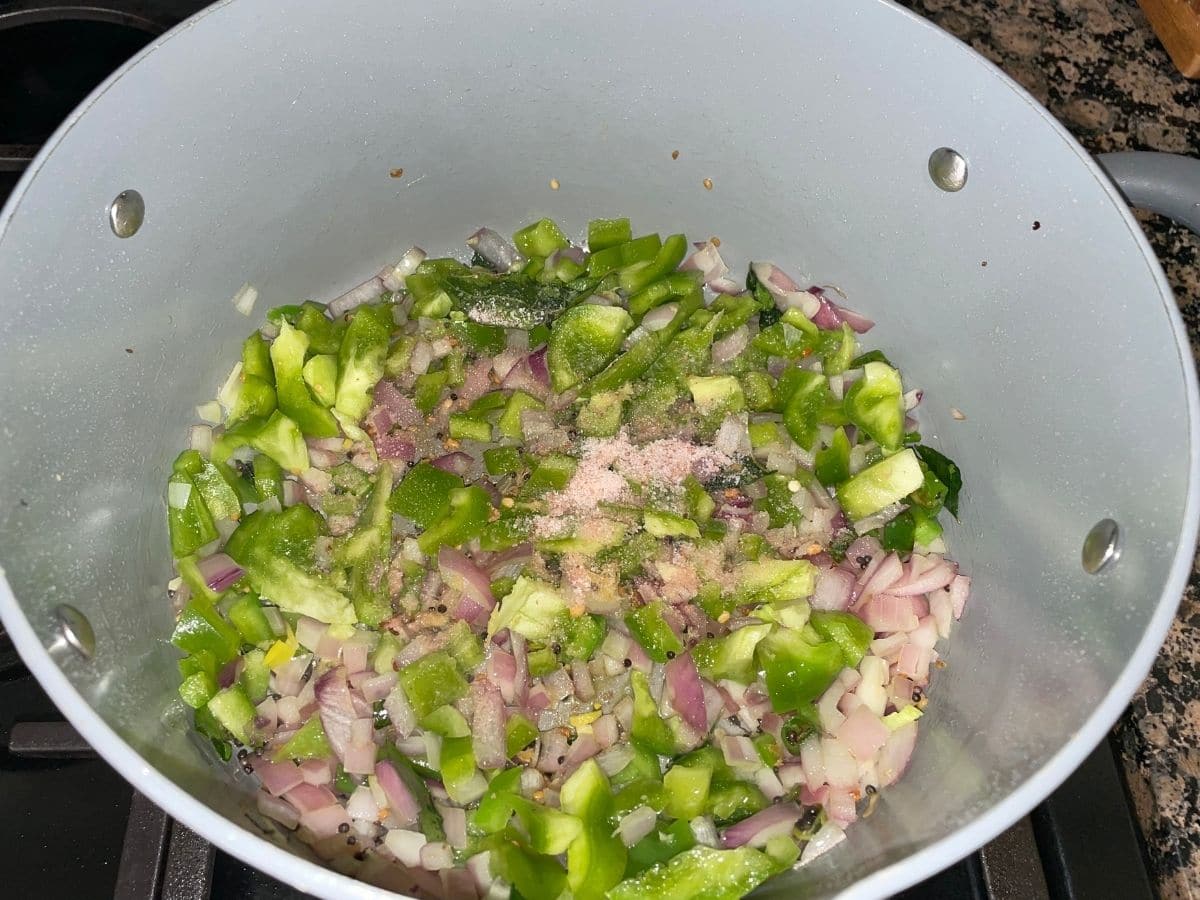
[70, 826]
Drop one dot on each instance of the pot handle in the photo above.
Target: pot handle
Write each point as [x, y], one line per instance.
[1164, 183]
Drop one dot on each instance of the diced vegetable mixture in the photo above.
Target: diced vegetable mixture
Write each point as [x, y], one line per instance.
[574, 570]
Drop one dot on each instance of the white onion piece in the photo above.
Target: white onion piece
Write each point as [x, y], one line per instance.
[824, 840]
[704, 831]
[405, 846]
[659, 317]
[422, 356]
[210, 412]
[200, 439]
[243, 301]
[636, 825]
[231, 388]
[356, 296]
[615, 758]
[729, 347]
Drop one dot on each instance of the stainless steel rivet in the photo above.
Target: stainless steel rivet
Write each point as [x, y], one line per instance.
[948, 169]
[74, 631]
[1101, 546]
[126, 213]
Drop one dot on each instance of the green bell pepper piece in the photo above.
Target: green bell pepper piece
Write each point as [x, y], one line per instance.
[427, 390]
[731, 656]
[432, 681]
[533, 609]
[505, 532]
[550, 831]
[596, 858]
[281, 439]
[759, 390]
[542, 662]
[846, 630]
[532, 876]
[716, 394]
[197, 689]
[732, 801]
[188, 519]
[276, 549]
[459, 773]
[495, 807]
[583, 340]
[643, 767]
[255, 677]
[423, 495]
[604, 233]
[219, 496]
[650, 629]
[540, 238]
[287, 356]
[600, 416]
[634, 362]
[648, 727]
[320, 374]
[673, 286]
[309, 742]
[324, 335]
[399, 356]
[468, 514]
[255, 399]
[875, 403]
[639, 250]
[664, 842]
[464, 646]
[700, 872]
[776, 580]
[268, 479]
[502, 461]
[487, 404]
[632, 278]
[550, 473]
[837, 358]
[888, 481]
[945, 472]
[582, 635]
[466, 428]
[777, 502]
[486, 340]
[256, 359]
[642, 792]
[510, 420]
[802, 411]
[360, 359]
[367, 550]
[665, 524]
[519, 734]
[832, 463]
[797, 672]
[246, 615]
[687, 787]
[233, 709]
[201, 630]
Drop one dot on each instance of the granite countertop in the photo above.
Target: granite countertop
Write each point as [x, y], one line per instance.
[1098, 67]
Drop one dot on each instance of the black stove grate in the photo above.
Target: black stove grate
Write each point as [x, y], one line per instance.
[69, 826]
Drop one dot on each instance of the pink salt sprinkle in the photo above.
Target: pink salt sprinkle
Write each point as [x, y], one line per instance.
[606, 463]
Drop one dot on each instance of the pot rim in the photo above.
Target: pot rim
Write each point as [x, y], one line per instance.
[313, 878]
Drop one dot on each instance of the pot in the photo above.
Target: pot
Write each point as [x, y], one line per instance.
[268, 150]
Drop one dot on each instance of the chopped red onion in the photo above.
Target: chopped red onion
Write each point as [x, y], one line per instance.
[731, 346]
[317, 771]
[499, 253]
[832, 591]
[220, 572]
[310, 797]
[740, 752]
[374, 687]
[406, 845]
[336, 709]
[759, 828]
[686, 692]
[487, 731]
[887, 613]
[402, 805]
[278, 778]
[458, 463]
[863, 733]
[659, 317]
[537, 367]
[277, 809]
[462, 575]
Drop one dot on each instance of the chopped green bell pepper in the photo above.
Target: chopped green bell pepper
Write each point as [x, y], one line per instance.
[509, 423]
[532, 876]
[639, 250]
[268, 478]
[731, 656]
[888, 481]
[320, 374]
[582, 342]
[875, 403]
[832, 463]
[367, 550]
[432, 681]
[466, 518]
[541, 238]
[731, 801]
[533, 608]
[466, 428]
[427, 390]
[596, 857]
[603, 233]
[648, 727]
[672, 287]
[324, 335]
[281, 439]
[797, 672]
[287, 356]
[519, 734]
[847, 630]
[200, 629]
[246, 615]
[631, 364]
[255, 399]
[664, 842]
[233, 709]
[423, 495]
[700, 872]
[190, 523]
[802, 411]
[502, 461]
[650, 629]
[776, 580]
[632, 278]
[360, 359]
[309, 742]
[256, 359]
[687, 787]
[256, 677]
[582, 635]
[665, 524]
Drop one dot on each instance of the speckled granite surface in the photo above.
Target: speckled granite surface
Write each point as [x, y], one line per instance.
[1097, 65]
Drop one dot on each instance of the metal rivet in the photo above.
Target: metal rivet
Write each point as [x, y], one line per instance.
[1101, 546]
[74, 631]
[948, 169]
[126, 213]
